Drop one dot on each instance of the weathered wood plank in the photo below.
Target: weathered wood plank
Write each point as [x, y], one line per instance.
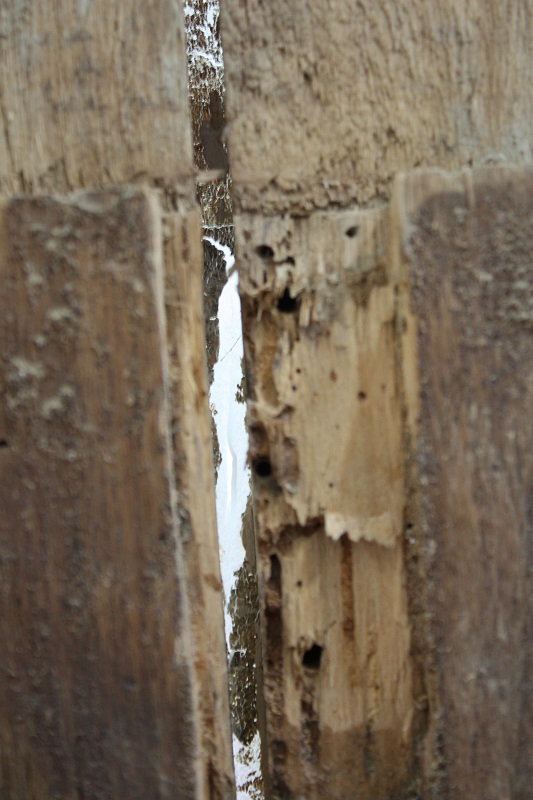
[466, 243]
[93, 94]
[97, 688]
[342, 692]
[326, 101]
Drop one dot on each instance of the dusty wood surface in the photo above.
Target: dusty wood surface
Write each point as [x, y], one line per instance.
[466, 243]
[326, 101]
[93, 94]
[97, 688]
[342, 692]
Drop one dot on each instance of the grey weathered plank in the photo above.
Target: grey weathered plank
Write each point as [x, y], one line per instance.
[466, 244]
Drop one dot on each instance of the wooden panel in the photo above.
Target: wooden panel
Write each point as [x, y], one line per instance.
[326, 447]
[93, 94]
[326, 101]
[97, 689]
[467, 242]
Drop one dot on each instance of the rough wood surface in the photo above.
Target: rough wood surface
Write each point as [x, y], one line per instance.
[342, 692]
[326, 101]
[92, 94]
[466, 243]
[97, 683]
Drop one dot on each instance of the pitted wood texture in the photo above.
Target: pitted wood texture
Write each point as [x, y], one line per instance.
[318, 295]
[99, 688]
[466, 247]
[326, 101]
[326, 450]
[93, 94]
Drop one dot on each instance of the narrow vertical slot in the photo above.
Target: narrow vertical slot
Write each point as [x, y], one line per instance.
[226, 399]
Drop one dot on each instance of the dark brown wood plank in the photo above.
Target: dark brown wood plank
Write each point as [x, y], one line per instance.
[97, 696]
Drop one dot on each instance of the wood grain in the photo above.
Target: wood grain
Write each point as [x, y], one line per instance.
[342, 692]
[466, 245]
[194, 472]
[93, 94]
[97, 688]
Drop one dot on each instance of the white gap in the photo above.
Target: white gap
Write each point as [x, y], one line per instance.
[233, 483]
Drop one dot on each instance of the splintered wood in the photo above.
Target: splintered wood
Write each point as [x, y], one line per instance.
[326, 450]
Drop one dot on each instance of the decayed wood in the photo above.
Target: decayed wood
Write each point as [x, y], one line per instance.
[93, 94]
[97, 681]
[464, 245]
[343, 696]
[326, 101]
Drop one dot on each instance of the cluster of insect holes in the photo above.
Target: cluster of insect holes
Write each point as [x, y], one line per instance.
[312, 657]
[287, 304]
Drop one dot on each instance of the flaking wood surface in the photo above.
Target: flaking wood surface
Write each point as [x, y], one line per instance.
[326, 101]
[97, 692]
[467, 244]
[342, 691]
[93, 93]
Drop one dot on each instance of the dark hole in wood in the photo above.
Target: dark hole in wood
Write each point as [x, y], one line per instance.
[287, 304]
[279, 751]
[312, 657]
[352, 232]
[263, 468]
[361, 395]
[264, 251]
[3, 444]
[275, 569]
[290, 260]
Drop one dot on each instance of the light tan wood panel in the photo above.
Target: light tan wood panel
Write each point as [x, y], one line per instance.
[344, 697]
[327, 100]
